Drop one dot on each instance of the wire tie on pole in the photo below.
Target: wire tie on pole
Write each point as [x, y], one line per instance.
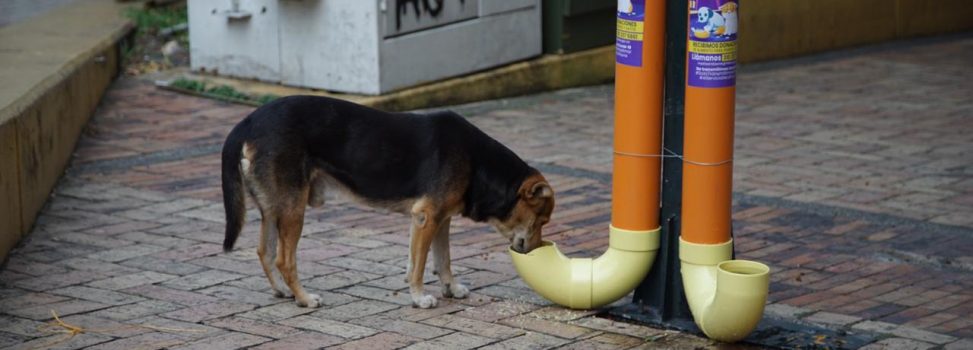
[671, 154]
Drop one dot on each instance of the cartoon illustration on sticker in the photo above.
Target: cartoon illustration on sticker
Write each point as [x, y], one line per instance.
[629, 32]
[712, 22]
[729, 11]
[712, 36]
[625, 6]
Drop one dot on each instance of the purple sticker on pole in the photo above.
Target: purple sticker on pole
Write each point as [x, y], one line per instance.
[712, 43]
[629, 32]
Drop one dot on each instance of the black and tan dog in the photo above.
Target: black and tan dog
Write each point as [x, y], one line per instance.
[430, 166]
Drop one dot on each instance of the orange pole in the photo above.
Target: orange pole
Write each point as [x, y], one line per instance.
[710, 102]
[638, 115]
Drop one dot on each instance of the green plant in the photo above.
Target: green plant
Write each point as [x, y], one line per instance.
[188, 84]
[223, 92]
[227, 91]
[150, 20]
[145, 54]
[263, 99]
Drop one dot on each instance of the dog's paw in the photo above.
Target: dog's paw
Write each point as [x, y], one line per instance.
[455, 291]
[424, 301]
[458, 291]
[283, 294]
[312, 301]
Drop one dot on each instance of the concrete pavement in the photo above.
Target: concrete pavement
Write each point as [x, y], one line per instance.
[13, 11]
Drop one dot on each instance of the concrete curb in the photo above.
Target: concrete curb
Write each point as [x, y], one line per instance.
[54, 55]
[549, 72]
[56, 66]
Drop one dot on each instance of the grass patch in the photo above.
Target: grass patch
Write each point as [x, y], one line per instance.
[221, 92]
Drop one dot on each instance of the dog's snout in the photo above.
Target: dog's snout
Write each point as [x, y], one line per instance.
[520, 245]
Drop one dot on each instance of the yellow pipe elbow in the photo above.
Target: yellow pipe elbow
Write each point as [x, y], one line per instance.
[585, 283]
[726, 297]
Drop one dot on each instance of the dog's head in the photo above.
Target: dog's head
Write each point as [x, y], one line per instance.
[535, 202]
[704, 14]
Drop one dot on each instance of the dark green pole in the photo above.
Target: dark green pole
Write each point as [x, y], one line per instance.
[660, 297]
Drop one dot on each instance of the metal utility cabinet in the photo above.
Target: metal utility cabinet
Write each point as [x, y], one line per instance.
[576, 25]
[356, 46]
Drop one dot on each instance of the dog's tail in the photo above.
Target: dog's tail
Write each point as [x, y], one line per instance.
[233, 192]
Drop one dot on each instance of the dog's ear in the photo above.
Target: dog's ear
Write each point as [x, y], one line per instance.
[540, 189]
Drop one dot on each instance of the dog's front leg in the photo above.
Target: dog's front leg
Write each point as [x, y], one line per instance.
[424, 228]
[440, 252]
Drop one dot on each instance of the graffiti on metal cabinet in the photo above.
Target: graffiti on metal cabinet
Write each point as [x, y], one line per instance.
[433, 8]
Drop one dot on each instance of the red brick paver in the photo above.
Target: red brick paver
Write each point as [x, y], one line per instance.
[853, 181]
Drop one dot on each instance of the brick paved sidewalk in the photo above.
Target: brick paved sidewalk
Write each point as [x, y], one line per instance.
[854, 182]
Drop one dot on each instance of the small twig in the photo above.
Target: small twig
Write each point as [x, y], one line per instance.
[59, 326]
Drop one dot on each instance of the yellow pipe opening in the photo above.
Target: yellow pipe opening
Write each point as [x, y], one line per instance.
[726, 296]
[634, 232]
[585, 283]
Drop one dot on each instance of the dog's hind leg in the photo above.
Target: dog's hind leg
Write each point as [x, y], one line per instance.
[267, 251]
[440, 252]
[267, 247]
[290, 224]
